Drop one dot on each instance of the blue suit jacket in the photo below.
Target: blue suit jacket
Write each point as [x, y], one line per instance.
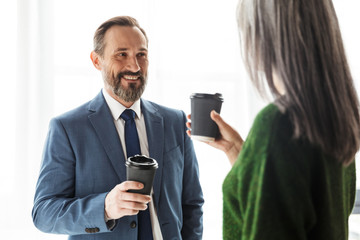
[83, 160]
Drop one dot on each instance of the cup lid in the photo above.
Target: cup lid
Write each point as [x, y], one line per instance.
[216, 96]
[141, 161]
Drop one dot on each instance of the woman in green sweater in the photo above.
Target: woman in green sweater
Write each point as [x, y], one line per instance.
[294, 176]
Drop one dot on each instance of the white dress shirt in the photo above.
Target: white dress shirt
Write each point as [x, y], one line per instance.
[116, 110]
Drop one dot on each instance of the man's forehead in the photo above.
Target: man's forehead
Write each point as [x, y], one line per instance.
[125, 38]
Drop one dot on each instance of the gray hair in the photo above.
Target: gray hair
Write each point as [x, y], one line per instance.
[99, 35]
[301, 42]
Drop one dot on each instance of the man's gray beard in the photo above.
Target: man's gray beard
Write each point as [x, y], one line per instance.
[131, 94]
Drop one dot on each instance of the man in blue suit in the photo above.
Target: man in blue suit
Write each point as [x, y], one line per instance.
[82, 189]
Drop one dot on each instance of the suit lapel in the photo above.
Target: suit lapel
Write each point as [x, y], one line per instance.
[103, 123]
[155, 134]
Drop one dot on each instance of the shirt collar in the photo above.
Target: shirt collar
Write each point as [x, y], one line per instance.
[117, 108]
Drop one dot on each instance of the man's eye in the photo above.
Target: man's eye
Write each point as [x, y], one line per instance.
[141, 54]
[122, 54]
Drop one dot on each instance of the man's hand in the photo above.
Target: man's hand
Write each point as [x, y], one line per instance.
[119, 202]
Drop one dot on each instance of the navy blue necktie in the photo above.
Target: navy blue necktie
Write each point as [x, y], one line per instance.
[133, 148]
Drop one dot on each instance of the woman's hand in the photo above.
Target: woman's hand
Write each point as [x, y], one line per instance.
[230, 141]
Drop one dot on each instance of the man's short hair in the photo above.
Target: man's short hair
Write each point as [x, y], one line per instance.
[126, 21]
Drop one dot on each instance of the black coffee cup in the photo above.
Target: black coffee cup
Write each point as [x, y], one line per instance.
[141, 168]
[203, 128]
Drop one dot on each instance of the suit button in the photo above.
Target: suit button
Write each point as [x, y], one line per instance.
[133, 224]
[92, 230]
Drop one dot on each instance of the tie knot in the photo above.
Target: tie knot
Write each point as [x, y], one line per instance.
[128, 114]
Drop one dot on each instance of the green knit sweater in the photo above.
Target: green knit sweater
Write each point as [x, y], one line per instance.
[281, 188]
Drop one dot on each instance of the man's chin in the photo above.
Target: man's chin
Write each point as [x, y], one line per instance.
[130, 85]
[128, 95]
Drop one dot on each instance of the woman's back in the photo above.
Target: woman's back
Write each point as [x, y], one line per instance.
[286, 188]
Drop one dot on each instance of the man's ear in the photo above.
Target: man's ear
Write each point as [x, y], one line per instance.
[95, 58]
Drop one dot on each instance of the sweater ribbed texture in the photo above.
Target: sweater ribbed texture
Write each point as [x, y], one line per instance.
[285, 188]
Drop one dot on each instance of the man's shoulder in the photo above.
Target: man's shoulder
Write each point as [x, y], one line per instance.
[163, 110]
[75, 113]
[83, 110]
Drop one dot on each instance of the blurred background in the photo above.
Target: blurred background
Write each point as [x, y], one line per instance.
[45, 70]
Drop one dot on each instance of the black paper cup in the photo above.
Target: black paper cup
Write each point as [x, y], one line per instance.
[203, 128]
[141, 168]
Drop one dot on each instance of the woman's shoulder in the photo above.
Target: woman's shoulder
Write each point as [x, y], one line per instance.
[268, 120]
[272, 138]
[271, 133]
[268, 114]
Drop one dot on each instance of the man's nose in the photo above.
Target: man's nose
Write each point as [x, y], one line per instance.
[133, 64]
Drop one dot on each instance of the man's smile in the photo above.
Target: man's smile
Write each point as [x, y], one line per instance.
[130, 78]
